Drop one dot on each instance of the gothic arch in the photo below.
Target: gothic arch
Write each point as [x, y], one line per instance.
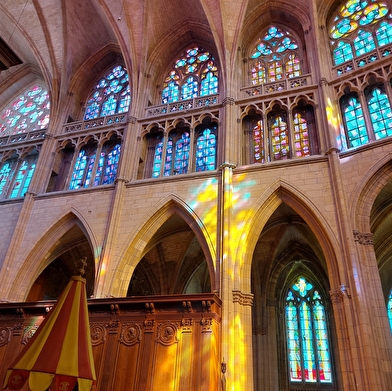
[257, 218]
[48, 248]
[140, 243]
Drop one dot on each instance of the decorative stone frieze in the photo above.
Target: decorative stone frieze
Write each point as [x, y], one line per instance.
[245, 299]
[363, 238]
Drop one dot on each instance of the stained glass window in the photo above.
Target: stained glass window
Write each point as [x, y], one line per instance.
[301, 135]
[107, 164]
[81, 175]
[258, 142]
[354, 121]
[194, 74]
[156, 167]
[6, 175]
[30, 111]
[358, 27]
[276, 56]
[279, 137]
[308, 347]
[177, 154]
[380, 112]
[110, 96]
[390, 309]
[206, 150]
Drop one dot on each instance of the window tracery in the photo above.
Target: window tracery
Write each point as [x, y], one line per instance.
[358, 28]
[30, 111]
[308, 346]
[275, 57]
[111, 95]
[194, 74]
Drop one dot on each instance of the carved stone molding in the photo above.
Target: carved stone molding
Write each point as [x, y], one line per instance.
[167, 333]
[132, 120]
[131, 334]
[5, 335]
[243, 298]
[336, 295]
[228, 101]
[363, 238]
[227, 165]
[98, 333]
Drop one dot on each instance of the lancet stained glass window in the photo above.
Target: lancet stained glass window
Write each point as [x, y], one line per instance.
[110, 96]
[276, 56]
[301, 135]
[308, 347]
[16, 175]
[358, 28]
[258, 142]
[177, 154]
[194, 74]
[354, 120]
[107, 164]
[390, 309]
[30, 111]
[380, 112]
[83, 168]
[279, 137]
[206, 150]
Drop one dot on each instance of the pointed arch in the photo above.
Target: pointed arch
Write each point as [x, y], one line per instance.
[47, 249]
[264, 207]
[138, 245]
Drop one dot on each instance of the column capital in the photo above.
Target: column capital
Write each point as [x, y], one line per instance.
[245, 299]
[363, 238]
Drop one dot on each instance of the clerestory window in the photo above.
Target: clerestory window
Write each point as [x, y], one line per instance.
[193, 74]
[111, 95]
[389, 309]
[360, 28]
[30, 111]
[275, 57]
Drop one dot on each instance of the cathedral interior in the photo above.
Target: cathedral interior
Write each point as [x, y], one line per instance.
[224, 167]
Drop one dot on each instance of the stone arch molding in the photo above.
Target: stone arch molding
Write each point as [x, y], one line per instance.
[366, 191]
[137, 243]
[39, 257]
[256, 218]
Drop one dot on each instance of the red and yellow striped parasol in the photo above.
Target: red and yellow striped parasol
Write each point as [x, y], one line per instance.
[59, 355]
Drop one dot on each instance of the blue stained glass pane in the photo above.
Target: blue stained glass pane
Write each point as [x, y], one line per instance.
[23, 178]
[186, 80]
[82, 171]
[355, 123]
[324, 362]
[364, 43]
[293, 343]
[109, 106]
[182, 154]
[206, 151]
[209, 84]
[107, 165]
[169, 157]
[114, 88]
[307, 335]
[384, 33]
[156, 168]
[342, 53]
[380, 113]
[5, 176]
[390, 309]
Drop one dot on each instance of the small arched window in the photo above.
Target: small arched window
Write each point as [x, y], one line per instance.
[279, 135]
[110, 96]
[359, 28]
[83, 168]
[307, 336]
[194, 74]
[107, 163]
[275, 57]
[30, 111]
